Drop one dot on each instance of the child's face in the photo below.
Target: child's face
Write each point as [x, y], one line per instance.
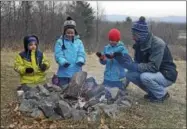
[70, 33]
[32, 46]
[113, 43]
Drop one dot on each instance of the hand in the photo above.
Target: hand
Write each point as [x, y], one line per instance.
[80, 64]
[101, 56]
[29, 70]
[109, 56]
[98, 54]
[43, 67]
[66, 65]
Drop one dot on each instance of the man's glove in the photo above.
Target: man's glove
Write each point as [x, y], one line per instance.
[66, 65]
[80, 64]
[116, 54]
[109, 56]
[29, 70]
[127, 62]
[43, 67]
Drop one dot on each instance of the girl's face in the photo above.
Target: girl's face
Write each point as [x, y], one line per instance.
[70, 33]
[113, 43]
[32, 46]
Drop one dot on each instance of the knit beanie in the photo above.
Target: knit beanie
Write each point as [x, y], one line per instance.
[140, 28]
[69, 23]
[114, 35]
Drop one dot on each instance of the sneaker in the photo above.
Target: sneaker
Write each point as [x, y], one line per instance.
[166, 96]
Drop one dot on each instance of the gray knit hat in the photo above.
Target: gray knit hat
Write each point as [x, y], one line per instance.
[69, 23]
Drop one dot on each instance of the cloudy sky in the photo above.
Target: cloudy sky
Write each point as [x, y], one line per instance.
[146, 8]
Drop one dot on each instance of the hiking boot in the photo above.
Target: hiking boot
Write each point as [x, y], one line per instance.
[147, 96]
[153, 99]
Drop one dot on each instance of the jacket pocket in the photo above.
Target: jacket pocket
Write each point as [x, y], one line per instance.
[170, 74]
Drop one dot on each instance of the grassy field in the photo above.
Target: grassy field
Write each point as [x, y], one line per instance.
[170, 114]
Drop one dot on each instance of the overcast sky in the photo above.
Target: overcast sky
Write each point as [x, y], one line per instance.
[145, 8]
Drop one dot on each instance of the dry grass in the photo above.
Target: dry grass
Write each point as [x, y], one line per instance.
[170, 114]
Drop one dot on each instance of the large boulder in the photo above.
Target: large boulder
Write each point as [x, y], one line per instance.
[75, 86]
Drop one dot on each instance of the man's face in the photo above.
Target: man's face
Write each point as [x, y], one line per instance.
[70, 33]
[32, 46]
[135, 37]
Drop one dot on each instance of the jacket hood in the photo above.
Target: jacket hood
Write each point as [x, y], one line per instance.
[26, 42]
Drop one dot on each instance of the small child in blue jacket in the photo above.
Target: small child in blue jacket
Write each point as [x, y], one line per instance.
[114, 73]
[69, 53]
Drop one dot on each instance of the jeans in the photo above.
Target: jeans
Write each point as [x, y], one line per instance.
[154, 84]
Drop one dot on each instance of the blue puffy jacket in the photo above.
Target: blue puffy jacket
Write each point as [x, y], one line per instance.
[73, 53]
[113, 70]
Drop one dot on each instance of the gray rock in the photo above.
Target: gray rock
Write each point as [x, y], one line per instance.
[47, 108]
[64, 87]
[123, 101]
[80, 103]
[122, 93]
[28, 105]
[78, 114]
[25, 88]
[54, 96]
[75, 85]
[126, 103]
[90, 104]
[52, 88]
[36, 113]
[43, 91]
[113, 91]
[55, 117]
[94, 115]
[63, 109]
[109, 110]
[97, 92]
[32, 94]
[90, 84]
[20, 95]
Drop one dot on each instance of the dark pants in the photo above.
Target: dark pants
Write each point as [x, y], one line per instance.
[63, 81]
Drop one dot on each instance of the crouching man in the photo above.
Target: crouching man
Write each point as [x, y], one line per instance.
[153, 69]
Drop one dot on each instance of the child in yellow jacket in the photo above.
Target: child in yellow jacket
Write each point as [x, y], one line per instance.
[31, 63]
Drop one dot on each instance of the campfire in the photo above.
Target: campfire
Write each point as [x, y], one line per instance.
[81, 98]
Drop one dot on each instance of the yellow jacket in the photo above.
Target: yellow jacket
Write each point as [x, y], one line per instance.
[25, 60]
